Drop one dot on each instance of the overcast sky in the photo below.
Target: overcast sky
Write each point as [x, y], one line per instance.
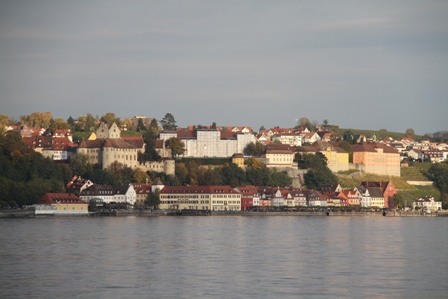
[358, 64]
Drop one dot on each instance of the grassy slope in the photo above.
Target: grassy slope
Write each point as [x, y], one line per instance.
[409, 192]
[379, 134]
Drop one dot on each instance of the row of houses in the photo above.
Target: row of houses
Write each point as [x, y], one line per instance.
[367, 194]
[224, 198]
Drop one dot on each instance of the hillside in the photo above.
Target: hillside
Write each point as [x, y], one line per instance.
[408, 192]
[379, 134]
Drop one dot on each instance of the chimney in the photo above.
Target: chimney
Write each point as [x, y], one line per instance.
[367, 183]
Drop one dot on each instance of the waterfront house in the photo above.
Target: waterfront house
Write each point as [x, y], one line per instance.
[59, 204]
[215, 198]
[249, 197]
[141, 192]
[427, 203]
[109, 194]
[386, 188]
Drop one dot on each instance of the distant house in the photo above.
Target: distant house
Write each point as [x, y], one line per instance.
[381, 193]
[108, 193]
[310, 137]
[352, 196]
[61, 204]
[427, 203]
[238, 159]
[141, 192]
[78, 184]
[288, 138]
[249, 197]
[313, 198]
[279, 155]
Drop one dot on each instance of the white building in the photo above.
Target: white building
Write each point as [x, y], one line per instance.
[211, 142]
[427, 203]
[108, 194]
[289, 139]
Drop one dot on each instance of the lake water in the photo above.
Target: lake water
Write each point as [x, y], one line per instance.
[224, 257]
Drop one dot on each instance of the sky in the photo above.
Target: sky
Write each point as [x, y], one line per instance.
[357, 64]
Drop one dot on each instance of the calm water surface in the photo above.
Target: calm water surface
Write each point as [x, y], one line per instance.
[224, 257]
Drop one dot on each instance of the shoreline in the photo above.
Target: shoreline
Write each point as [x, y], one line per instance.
[11, 214]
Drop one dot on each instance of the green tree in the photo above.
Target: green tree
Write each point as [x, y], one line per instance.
[253, 163]
[232, 175]
[349, 137]
[91, 123]
[58, 124]
[71, 121]
[176, 145]
[209, 177]
[109, 118]
[398, 200]
[182, 173]
[37, 119]
[153, 199]
[438, 173]
[258, 176]
[345, 145]
[141, 126]
[150, 153]
[168, 122]
[318, 172]
[255, 149]
[279, 179]
[410, 133]
[4, 121]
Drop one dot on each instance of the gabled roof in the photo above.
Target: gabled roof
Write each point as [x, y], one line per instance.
[141, 188]
[371, 147]
[55, 198]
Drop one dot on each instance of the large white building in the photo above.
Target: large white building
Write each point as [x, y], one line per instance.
[427, 203]
[210, 142]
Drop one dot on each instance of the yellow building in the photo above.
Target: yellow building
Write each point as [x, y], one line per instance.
[61, 204]
[337, 158]
[238, 159]
[279, 155]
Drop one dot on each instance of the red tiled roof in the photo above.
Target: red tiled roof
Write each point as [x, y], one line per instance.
[54, 198]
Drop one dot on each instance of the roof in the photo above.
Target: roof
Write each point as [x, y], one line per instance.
[56, 198]
[371, 147]
[114, 142]
[141, 188]
[198, 189]
[375, 192]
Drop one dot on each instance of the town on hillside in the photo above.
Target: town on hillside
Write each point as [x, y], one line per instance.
[140, 162]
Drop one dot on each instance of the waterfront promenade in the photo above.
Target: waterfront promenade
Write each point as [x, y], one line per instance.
[19, 213]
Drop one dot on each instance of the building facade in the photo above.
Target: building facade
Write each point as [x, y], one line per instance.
[376, 158]
[61, 204]
[213, 198]
[210, 142]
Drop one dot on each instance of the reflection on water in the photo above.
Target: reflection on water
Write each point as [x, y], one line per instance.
[224, 257]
